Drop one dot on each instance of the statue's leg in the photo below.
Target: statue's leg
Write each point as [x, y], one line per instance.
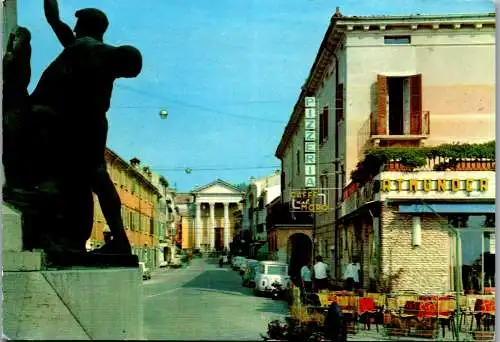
[109, 199]
[110, 203]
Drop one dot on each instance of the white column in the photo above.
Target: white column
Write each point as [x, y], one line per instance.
[226, 225]
[212, 223]
[198, 226]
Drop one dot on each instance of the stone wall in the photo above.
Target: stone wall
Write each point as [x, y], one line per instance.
[79, 303]
[426, 268]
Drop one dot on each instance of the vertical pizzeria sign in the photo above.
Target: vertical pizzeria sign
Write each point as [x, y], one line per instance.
[310, 142]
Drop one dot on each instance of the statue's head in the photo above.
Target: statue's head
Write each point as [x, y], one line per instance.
[128, 61]
[91, 22]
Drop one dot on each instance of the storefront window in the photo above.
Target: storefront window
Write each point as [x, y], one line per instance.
[477, 250]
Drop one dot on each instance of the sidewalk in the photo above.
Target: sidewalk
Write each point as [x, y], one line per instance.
[373, 335]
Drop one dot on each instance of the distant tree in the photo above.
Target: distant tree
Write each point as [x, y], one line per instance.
[242, 186]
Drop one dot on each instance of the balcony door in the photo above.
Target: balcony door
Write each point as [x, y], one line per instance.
[398, 103]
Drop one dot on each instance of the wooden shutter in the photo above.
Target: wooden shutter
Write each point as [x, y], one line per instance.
[320, 123]
[415, 83]
[339, 102]
[323, 128]
[325, 123]
[382, 91]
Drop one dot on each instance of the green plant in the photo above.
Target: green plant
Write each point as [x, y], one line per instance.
[413, 157]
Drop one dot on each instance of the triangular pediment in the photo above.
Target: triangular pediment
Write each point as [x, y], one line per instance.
[217, 187]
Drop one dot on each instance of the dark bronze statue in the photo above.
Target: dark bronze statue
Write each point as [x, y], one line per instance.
[54, 140]
[94, 23]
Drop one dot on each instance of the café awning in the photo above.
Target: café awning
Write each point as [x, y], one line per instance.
[448, 208]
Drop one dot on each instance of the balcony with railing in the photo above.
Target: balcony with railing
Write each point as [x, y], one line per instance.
[417, 128]
[445, 157]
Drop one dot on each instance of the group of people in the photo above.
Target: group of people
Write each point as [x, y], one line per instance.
[62, 126]
[314, 277]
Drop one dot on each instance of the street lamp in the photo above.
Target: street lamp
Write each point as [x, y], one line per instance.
[163, 114]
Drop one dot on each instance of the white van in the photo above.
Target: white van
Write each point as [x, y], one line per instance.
[267, 273]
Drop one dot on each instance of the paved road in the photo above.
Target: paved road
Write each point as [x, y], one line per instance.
[205, 302]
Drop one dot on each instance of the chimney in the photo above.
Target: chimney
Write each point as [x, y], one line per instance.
[135, 162]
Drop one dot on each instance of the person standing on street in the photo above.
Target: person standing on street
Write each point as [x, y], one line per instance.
[306, 277]
[320, 274]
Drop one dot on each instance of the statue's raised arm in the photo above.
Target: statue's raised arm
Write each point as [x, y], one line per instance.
[63, 32]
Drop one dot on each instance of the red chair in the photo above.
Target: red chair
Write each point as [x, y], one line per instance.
[366, 304]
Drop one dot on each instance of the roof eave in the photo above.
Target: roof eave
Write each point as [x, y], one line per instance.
[331, 37]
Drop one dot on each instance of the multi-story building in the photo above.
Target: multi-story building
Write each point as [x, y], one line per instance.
[167, 213]
[185, 225]
[260, 192]
[139, 198]
[396, 81]
[9, 14]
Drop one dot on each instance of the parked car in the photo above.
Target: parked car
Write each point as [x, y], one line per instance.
[146, 272]
[245, 263]
[248, 277]
[176, 259]
[237, 262]
[269, 272]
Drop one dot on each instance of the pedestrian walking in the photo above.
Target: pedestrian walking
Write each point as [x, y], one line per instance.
[320, 281]
[306, 277]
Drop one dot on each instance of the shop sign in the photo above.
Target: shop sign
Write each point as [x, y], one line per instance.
[492, 243]
[438, 185]
[309, 200]
[310, 142]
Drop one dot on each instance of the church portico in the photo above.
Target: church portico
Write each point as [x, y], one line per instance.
[213, 227]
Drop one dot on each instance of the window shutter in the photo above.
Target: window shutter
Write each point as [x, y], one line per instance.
[381, 105]
[321, 130]
[339, 102]
[415, 104]
[325, 123]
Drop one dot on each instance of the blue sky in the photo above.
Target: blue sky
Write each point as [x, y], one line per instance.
[228, 71]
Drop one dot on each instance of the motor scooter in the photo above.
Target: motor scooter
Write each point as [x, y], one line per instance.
[277, 290]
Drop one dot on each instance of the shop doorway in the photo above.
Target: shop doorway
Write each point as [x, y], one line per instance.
[299, 251]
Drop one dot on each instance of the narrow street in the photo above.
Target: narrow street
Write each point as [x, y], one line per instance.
[205, 302]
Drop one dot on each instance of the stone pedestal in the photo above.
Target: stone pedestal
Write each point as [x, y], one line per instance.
[76, 303]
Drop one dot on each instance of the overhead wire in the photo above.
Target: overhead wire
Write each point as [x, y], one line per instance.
[186, 104]
[221, 168]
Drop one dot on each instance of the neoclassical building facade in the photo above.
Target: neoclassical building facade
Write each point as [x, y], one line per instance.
[213, 224]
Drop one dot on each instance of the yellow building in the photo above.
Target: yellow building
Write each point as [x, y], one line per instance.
[185, 234]
[139, 199]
